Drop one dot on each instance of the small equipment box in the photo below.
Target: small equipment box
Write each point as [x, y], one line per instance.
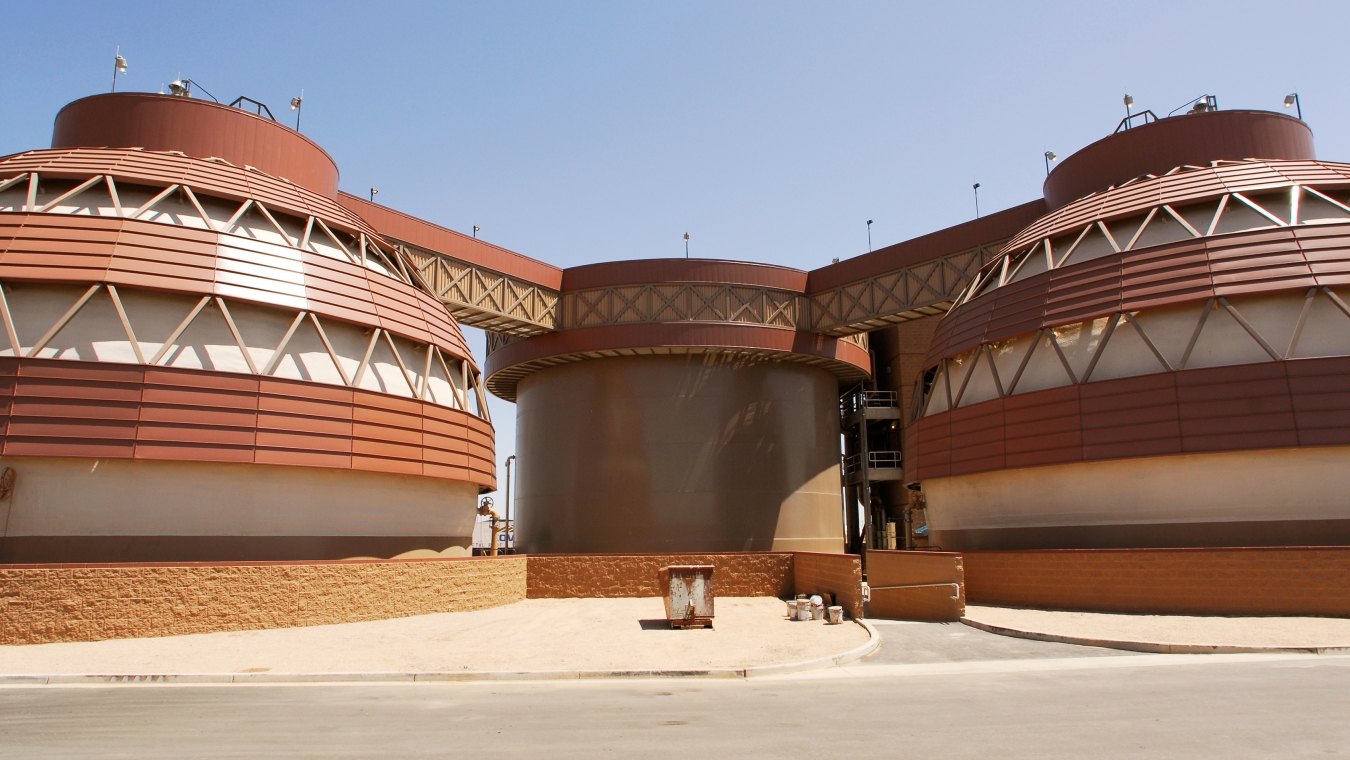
[688, 592]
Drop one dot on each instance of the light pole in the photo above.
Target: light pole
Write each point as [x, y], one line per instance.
[296, 102]
[1292, 100]
[510, 528]
[374, 191]
[976, 187]
[1129, 101]
[1049, 156]
[869, 235]
[686, 245]
[119, 67]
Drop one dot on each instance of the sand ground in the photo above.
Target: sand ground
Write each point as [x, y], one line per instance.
[532, 635]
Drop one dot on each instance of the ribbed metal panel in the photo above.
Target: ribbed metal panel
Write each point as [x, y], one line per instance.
[650, 271]
[513, 361]
[83, 409]
[124, 252]
[1261, 261]
[1252, 406]
[160, 169]
[197, 128]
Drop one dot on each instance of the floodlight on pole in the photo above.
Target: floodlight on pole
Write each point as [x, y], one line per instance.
[374, 191]
[1049, 156]
[869, 236]
[296, 102]
[119, 67]
[1291, 101]
[686, 245]
[476, 228]
[1129, 101]
[976, 188]
[183, 88]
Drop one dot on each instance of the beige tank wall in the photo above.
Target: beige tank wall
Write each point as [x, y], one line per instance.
[678, 453]
[1271, 491]
[67, 497]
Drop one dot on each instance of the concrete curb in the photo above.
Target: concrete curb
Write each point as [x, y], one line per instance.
[165, 679]
[856, 653]
[1150, 646]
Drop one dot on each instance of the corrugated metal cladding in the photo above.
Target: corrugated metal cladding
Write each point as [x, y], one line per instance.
[1187, 185]
[986, 230]
[166, 168]
[508, 364]
[1262, 261]
[1195, 139]
[456, 245]
[125, 252]
[1252, 406]
[651, 271]
[197, 128]
[52, 407]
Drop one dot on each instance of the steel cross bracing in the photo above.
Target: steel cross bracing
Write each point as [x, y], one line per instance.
[499, 303]
[681, 302]
[480, 297]
[155, 343]
[921, 290]
[1218, 331]
[179, 205]
[1149, 226]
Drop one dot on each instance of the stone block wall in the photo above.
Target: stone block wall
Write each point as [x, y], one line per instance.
[836, 574]
[565, 576]
[47, 603]
[1257, 581]
[925, 579]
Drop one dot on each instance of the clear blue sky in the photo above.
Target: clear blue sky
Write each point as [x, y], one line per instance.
[577, 132]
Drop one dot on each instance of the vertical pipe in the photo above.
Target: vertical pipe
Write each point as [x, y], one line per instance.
[510, 531]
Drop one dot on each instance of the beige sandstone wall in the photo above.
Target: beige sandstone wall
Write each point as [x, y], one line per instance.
[564, 576]
[49, 603]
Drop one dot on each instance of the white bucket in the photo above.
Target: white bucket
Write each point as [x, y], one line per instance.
[836, 615]
[792, 609]
[803, 609]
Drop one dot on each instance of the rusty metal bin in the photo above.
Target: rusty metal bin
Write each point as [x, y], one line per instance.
[688, 593]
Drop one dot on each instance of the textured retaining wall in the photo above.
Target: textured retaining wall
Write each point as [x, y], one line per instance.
[837, 574]
[588, 576]
[47, 603]
[1259, 581]
[919, 570]
[88, 602]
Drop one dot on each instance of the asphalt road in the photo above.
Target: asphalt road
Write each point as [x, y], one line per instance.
[950, 695]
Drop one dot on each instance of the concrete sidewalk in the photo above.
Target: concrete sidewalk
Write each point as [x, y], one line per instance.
[536, 638]
[596, 638]
[1175, 634]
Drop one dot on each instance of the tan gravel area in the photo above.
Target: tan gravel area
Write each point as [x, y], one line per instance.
[533, 635]
[1174, 630]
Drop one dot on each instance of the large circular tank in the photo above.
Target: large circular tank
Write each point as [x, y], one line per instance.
[1158, 363]
[678, 409]
[202, 359]
[678, 453]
